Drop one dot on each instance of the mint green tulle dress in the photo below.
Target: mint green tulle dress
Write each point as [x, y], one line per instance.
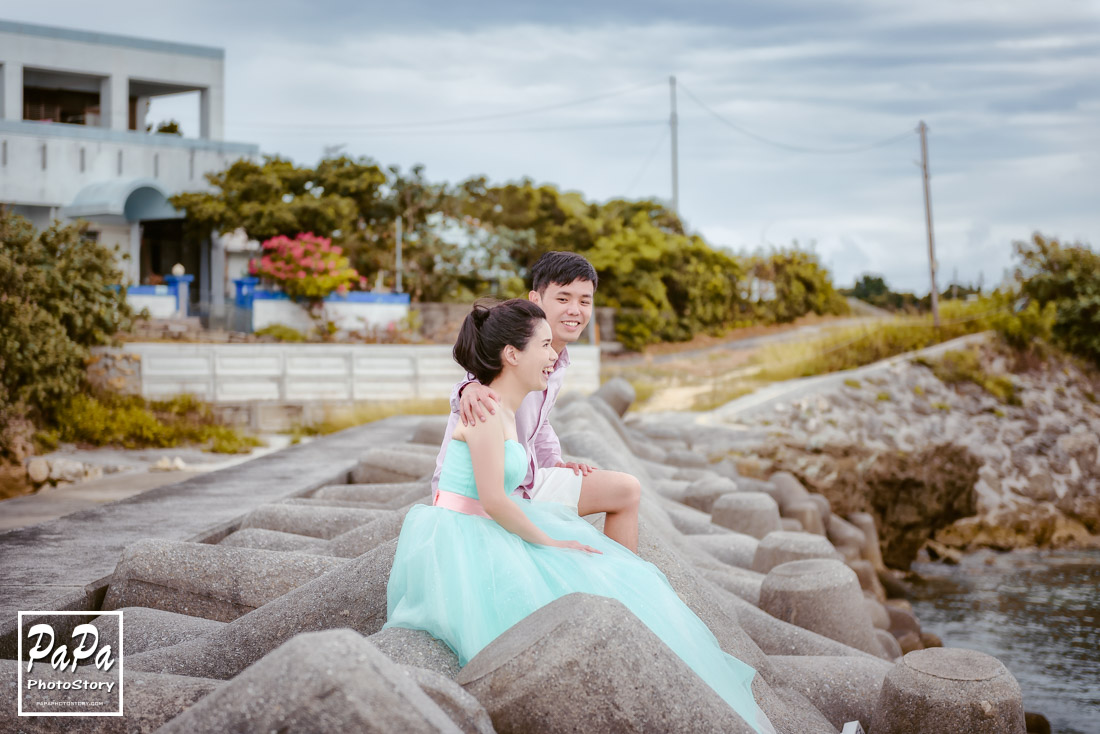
[464, 579]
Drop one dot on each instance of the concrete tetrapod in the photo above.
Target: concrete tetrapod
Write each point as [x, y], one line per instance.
[704, 491]
[389, 466]
[314, 521]
[789, 489]
[353, 595]
[808, 514]
[418, 649]
[585, 663]
[317, 682]
[822, 596]
[149, 700]
[843, 688]
[782, 546]
[735, 549]
[751, 513]
[618, 393]
[212, 581]
[947, 689]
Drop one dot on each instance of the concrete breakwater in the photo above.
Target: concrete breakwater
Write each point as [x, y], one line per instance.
[272, 620]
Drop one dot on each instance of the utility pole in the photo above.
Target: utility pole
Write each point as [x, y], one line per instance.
[923, 130]
[672, 127]
[397, 265]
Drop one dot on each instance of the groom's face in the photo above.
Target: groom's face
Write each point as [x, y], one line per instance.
[568, 309]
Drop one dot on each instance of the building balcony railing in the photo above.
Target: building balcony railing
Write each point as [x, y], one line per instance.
[125, 137]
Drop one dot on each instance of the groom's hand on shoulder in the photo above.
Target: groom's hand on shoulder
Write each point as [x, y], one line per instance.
[477, 400]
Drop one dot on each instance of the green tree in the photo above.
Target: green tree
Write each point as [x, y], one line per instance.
[1067, 276]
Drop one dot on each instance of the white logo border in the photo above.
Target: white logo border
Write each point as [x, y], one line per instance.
[19, 657]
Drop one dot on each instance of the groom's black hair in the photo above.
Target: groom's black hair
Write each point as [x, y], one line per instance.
[561, 268]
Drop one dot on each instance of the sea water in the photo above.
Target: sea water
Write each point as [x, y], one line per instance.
[1038, 612]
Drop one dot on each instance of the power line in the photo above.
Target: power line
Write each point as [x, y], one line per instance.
[648, 160]
[488, 131]
[475, 118]
[794, 148]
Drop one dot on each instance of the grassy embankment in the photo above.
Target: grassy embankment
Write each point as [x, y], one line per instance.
[704, 383]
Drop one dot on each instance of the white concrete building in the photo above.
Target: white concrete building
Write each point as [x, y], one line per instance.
[73, 143]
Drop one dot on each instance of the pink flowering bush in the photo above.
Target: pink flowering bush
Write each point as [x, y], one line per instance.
[307, 267]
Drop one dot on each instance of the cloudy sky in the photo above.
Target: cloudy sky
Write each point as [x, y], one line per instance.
[797, 118]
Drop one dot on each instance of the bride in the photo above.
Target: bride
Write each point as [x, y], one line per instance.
[480, 559]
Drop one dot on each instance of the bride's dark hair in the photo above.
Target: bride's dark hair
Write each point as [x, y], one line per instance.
[490, 327]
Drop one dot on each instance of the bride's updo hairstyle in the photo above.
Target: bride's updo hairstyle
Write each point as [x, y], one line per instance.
[489, 328]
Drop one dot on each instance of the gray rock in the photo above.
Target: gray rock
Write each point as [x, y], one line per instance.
[542, 675]
[365, 538]
[617, 393]
[872, 551]
[949, 689]
[843, 688]
[418, 649]
[868, 578]
[789, 488]
[690, 521]
[353, 595]
[822, 596]
[751, 513]
[891, 648]
[824, 508]
[703, 493]
[149, 629]
[38, 470]
[461, 708]
[686, 459]
[66, 470]
[317, 682]
[212, 581]
[782, 546]
[149, 700]
[840, 531]
[735, 549]
[431, 431]
[389, 466]
[808, 515]
[317, 522]
[381, 496]
[673, 489]
[744, 583]
[877, 611]
[272, 540]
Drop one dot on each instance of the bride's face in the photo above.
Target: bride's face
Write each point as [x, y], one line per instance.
[536, 360]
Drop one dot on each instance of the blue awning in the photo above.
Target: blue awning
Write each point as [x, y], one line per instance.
[122, 201]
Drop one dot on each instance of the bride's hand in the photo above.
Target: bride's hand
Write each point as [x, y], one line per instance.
[574, 545]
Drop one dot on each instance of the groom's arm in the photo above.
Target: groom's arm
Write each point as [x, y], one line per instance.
[546, 446]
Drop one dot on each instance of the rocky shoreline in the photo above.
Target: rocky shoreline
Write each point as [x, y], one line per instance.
[946, 467]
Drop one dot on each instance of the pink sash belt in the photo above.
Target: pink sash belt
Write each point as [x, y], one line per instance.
[460, 503]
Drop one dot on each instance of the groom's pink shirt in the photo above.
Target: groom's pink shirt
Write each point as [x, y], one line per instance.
[532, 424]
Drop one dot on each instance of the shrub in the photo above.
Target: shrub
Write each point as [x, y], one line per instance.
[59, 295]
[307, 267]
[282, 333]
[961, 366]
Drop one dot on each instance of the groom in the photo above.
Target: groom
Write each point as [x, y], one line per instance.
[564, 285]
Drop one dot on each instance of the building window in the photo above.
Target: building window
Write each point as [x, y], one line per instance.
[43, 156]
[60, 105]
[82, 161]
[190, 166]
[156, 165]
[120, 163]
